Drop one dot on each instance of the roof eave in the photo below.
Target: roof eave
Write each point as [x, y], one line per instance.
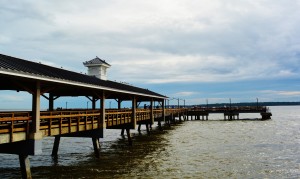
[44, 78]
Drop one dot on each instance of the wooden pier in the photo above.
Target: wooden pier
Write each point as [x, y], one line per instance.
[21, 133]
[230, 113]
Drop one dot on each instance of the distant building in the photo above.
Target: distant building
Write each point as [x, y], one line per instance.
[97, 67]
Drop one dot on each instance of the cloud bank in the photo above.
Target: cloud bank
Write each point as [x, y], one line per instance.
[160, 41]
[155, 42]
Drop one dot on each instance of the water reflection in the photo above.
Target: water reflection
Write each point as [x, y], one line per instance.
[117, 159]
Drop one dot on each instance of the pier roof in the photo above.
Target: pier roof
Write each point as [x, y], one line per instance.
[16, 68]
[96, 61]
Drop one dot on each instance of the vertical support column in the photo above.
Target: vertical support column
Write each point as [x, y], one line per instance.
[164, 110]
[35, 135]
[133, 118]
[151, 111]
[25, 166]
[51, 102]
[101, 123]
[36, 108]
[102, 112]
[55, 146]
[94, 103]
[119, 107]
[119, 104]
[96, 145]
[139, 128]
[147, 129]
[128, 136]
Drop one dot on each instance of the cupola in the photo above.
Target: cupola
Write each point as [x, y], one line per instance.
[97, 67]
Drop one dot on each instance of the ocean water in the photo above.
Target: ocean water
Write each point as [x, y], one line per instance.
[192, 149]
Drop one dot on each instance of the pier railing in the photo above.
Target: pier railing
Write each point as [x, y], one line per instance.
[15, 126]
[241, 109]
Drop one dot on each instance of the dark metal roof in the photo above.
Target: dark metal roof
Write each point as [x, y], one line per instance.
[20, 66]
[96, 60]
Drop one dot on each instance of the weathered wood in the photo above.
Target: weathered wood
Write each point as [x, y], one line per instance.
[63, 122]
[129, 136]
[96, 145]
[25, 166]
[55, 146]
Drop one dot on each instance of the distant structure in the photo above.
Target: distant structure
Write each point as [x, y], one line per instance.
[97, 67]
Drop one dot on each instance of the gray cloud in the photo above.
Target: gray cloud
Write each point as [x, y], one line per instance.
[189, 41]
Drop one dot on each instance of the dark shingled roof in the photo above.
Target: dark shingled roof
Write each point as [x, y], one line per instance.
[16, 65]
[96, 60]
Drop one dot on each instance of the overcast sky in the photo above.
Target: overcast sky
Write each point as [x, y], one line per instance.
[189, 49]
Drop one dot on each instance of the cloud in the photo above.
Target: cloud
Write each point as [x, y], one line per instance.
[11, 98]
[161, 42]
[185, 93]
[282, 93]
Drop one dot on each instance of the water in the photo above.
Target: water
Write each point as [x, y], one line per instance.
[192, 149]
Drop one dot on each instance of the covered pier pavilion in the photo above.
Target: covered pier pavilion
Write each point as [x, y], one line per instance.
[21, 133]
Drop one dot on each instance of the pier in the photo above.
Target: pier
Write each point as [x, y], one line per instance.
[22, 132]
[230, 113]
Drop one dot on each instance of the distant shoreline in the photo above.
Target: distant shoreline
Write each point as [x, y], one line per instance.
[251, 104]
[210, 105]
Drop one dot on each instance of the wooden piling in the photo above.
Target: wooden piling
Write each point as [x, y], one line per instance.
[55, 146]
[128, 136]
[25, 166]
[96, 145]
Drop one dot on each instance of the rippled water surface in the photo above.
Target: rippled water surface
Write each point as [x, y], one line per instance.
[192, 149]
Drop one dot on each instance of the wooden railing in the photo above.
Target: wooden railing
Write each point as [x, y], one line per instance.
[232, 108]
[63, 122]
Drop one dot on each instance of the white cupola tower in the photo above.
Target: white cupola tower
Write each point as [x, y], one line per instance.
[97, 68]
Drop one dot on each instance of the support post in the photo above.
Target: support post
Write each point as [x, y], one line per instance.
[164, 110]
[119, 104]
[133, 117]
[55, 146]
[94, 103]
[128, 136]
[147, 128]
[151, 112]
[25, 166]
[96, 145]
[122, 132]
[51, 102]
[102, 114]
[119, 107]
[36, 108]
[35, 135]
